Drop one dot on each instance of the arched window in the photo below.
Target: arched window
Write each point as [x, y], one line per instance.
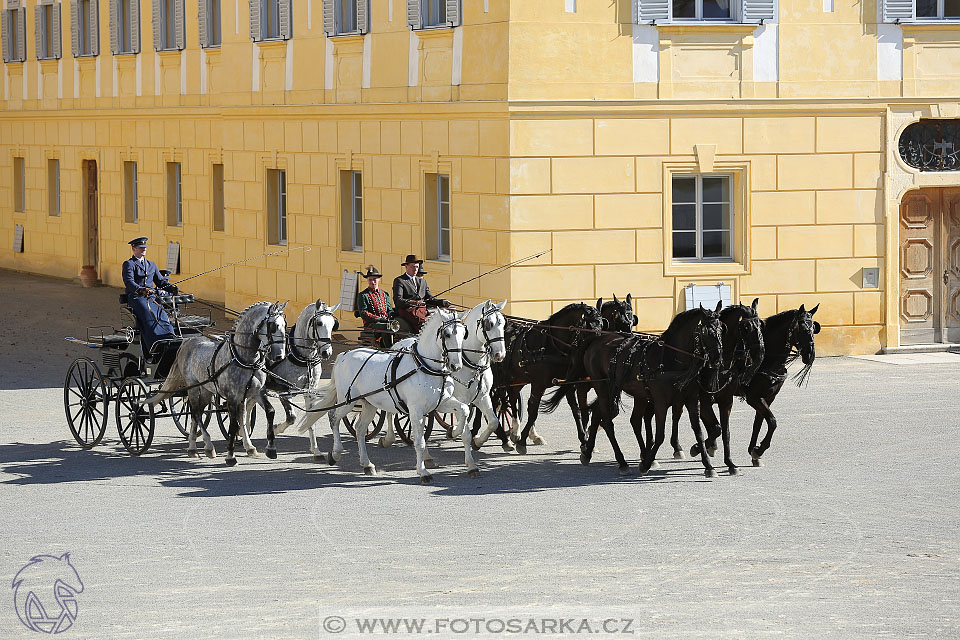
[931, 145]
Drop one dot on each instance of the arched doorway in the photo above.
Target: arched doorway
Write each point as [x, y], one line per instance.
[930, 266]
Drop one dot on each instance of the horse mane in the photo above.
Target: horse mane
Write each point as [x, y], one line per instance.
[553, 317]
[431, 317]
[236, 323]
[774, 321]
[680, 320]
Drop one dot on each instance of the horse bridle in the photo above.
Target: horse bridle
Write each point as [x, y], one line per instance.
[261, 351]
[580, 324]
[743, 349]
[698, 348]
[422, 359]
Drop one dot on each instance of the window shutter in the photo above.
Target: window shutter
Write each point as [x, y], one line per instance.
[179, 9]
[255, 33]
[757, 10]
[329, 24]
[21, 15]
[115, 26]
[414, 16]
[286, 28]
[74, 31]
[363, 16]
[157, 26]
[135, 25]
[94, 27]
[652, 10]
[453, 12]
[55, 32]
[38, 30]
[5, 33]
[202, 23]
[898, 10]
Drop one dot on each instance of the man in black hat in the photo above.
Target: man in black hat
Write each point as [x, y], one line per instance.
[412, 294]
[144, 283]
[374, 308]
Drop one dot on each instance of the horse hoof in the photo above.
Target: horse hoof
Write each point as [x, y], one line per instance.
[522, 448]
[711, 451]
[584, 459]
[654, 465]
[426, 479]
[430, 463]
[211, 453]
[624, 471]
[473, 473]
[272, 454]
[678, 455]
[508, 447]
[231, 462]
[641, 471]
[331, 460]
[757, 463]
[319, 457]
[370, 471]
[515, 438]
[536, 440]
[733, 471]
[252, 453]
[694, 451]
[192, 453]
[710, 473]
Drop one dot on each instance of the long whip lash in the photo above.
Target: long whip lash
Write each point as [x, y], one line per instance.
[233, 264]
[506, 266]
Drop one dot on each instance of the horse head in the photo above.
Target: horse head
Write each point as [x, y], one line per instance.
[802, 332]
[709, 338]
[322, 327]
[272, 333]
[618, 314]
[745, 332]
[450, 334]
[492, 325]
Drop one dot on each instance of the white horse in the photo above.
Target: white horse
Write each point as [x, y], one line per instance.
[471, 385]
[309, 347]
[414, 382]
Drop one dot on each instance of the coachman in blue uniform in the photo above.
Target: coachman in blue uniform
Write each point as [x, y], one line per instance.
[144, 284]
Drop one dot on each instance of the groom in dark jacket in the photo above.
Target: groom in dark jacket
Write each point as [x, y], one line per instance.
[143, 282]
[411, 294]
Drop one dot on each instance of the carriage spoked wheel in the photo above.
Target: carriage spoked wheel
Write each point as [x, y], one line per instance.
[401, 424]
[135, 420]
[373, 429]
[86, 402]
[223, 418]
[180, 412]
[447, 421]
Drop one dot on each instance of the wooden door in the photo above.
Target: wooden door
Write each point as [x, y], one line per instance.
[951, 264]
[92, 249]
[920, 272]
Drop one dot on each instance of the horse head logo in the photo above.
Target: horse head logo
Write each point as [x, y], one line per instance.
[45, 593]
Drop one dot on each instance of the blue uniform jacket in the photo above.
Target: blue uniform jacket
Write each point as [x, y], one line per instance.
[152, 320]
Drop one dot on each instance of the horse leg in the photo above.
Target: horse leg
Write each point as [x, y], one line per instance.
[363, 420]
[462, 415]
[389, 436]
[582, 391]
[192, 436]
[726, 406]
[271, 433]
[693, 408]
[419, 444]
[651, 455]
[586, 449]
[771, 427]
[250, 406]
[486, 414]
[636, 421]
[533, 410]
[752, 447]
[291, 416]
[712, 424]
[235, 410]
[335, 417]
[608, 428]
[513, 404]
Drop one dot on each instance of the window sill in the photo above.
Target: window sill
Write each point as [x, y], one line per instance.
[346, 35]
[692, 269]
[438, 28]
[681, 28]
[212, 48]
[953, 24]
[272, 42]
[168, 53]
[126, 53]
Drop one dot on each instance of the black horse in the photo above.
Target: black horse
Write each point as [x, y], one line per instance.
[658, 371]
[786, 336]
[538, 354]
[618, 314]
[743, 353]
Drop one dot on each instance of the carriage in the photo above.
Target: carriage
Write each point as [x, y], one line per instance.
[126, 375]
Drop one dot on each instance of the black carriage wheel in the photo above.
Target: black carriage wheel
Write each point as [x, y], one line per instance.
[223, 418]
[86, 402]
[180, 412]
[135, 420]
[401, 424]
[445, 420]
[373, 429]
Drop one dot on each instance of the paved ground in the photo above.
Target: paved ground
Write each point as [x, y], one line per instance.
[849, 530]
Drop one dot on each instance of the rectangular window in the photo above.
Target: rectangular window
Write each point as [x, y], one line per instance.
[84, 11]
[270, 18]
[702, 218]
[277, 206]
[125, 27]
[351, 210]
[701, 10]
[346, 16]
[53, 186]
[169, 22]
[19, 185]
[44, 26]
[174, 195]
[217, 184]
[434, 13]
[130, 211]
[437, 193]
[214, 36]
[938, 9]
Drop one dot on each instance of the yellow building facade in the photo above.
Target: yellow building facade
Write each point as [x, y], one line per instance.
[581, 126]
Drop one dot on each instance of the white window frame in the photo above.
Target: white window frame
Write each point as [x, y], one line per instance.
[699, 14]
[270, 14]
[281, 206]
[338, 17]
[53, 185]
[699, 230]
[168, 31]
[213, 37]
[356, 209]
[177, 193]
[427, 7]
[15, 19]
[130, 192]
[125, 27]
[20, 184]
[939, 18]
[84, 8]
[44, 26]
[443, 200]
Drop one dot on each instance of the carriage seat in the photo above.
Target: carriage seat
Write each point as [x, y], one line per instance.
[114, 340]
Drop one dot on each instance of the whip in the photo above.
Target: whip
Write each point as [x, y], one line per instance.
[506, 266]
[233, 264]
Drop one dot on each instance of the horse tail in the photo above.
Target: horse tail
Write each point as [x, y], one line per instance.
[174, 382]
[324, 398]
[552, 400]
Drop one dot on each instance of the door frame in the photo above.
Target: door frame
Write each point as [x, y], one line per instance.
[89, 165]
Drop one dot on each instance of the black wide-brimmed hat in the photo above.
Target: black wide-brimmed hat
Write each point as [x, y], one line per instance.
[411, 258]
[139, 242]
[372, 272]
